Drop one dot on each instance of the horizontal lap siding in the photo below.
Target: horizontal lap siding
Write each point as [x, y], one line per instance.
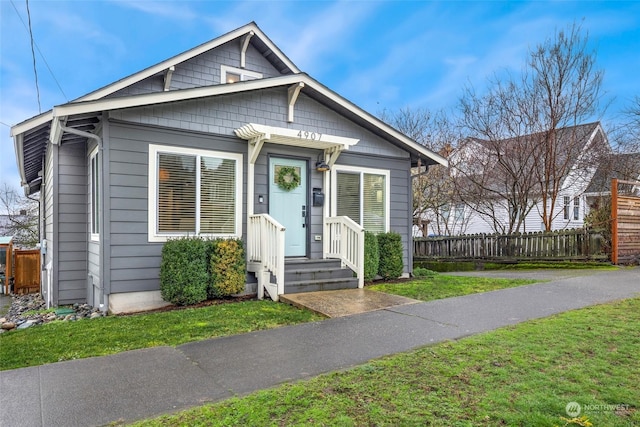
[72, 224]
[210, 124]
[135, 263]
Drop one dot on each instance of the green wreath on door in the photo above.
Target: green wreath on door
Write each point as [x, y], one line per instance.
[287, 178]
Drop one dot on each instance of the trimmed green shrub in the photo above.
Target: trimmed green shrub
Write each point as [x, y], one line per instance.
[183, 271]
[390, 249]
[227, 267]
[371, 256]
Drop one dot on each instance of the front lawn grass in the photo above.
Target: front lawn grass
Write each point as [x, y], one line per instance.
[60, 340]
[522, 375]
[442, 286]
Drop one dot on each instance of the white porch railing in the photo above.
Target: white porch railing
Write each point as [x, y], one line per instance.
[344, 239]
[265, 254]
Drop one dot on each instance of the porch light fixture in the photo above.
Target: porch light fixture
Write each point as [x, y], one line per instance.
[322, 166]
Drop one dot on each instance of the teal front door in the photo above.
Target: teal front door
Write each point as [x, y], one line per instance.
[288, 202]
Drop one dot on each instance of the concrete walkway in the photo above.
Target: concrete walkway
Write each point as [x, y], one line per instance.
[345, 302]
[145, 383]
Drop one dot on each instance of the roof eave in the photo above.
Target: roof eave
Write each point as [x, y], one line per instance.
[18, 146]
[31, 123]
[223, 89]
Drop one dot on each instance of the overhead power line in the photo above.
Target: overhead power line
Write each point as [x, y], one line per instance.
[33, 56]
[27, 27]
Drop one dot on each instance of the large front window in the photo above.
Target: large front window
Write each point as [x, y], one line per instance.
[362, 195]
[194, 192]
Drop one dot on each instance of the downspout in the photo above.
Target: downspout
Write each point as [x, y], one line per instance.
[98, 140]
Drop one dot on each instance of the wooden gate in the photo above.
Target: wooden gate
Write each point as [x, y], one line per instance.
[26, 271]
[625, 226]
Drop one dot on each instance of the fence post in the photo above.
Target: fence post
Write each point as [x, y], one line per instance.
[614, 220]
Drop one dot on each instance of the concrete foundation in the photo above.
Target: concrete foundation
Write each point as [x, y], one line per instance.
[131, 302]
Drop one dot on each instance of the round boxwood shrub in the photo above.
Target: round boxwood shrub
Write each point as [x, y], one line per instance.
[227, 266]
[371, 256]
[183, 271]
[390, 249]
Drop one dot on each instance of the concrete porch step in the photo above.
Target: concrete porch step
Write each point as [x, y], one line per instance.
[320, 285]
[304, 275]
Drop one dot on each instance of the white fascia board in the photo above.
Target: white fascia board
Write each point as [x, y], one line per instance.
[185, 56]
[378, 123]
[32, 123]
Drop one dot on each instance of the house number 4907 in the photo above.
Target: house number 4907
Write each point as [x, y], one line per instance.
[309, 135]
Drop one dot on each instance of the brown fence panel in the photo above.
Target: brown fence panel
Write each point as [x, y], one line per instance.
[578, 244]
[27, 271]
[625, 213]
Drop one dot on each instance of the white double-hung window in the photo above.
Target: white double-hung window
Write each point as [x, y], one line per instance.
[363, 195]
[194, 192]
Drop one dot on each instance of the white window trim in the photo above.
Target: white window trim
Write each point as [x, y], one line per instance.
[154, 235]
[334, 189]
[224, 69]
[95, 237]
[566, 208]
[576, 205]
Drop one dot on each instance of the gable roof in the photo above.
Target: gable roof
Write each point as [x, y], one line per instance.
[571, 143]
[258, 39]
[83, 114]
[579, 148]
[625, 166]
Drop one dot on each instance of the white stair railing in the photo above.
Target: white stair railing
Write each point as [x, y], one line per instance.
[265, 250]
[344, 239]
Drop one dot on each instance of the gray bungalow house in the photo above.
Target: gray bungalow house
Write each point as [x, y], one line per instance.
[228, 139]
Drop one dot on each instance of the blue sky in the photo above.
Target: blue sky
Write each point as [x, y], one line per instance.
[376, 54]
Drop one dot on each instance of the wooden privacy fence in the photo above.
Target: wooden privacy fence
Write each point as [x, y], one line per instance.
[625, 224]
[26, 271]
[578, 244]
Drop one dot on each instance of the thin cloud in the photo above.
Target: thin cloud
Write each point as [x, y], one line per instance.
[180, 10]
[322, 36]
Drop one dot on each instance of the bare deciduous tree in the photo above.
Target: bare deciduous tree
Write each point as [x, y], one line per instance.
[21, 215]
[525, 144]
[433, 188]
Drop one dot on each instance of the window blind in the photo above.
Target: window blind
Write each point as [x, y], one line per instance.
[176, 193]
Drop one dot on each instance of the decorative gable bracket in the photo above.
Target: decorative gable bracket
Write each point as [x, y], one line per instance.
[167, 77]
[245, 45]
[293, 91]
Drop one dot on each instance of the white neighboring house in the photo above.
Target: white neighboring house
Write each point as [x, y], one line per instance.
[571, 207]
[624, 166]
